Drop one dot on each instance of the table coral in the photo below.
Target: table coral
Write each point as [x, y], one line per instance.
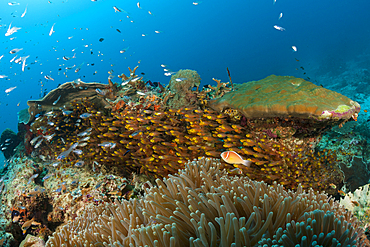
[287, 96]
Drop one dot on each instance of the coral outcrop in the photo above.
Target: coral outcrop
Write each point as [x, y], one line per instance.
[288, 97]
[183, 88]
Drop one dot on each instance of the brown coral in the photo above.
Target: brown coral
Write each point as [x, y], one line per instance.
[287, 96]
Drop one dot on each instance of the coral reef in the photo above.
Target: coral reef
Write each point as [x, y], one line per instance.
[203, 206]
[99, 152]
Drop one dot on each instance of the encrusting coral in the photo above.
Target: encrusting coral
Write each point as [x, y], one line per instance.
[204, 206]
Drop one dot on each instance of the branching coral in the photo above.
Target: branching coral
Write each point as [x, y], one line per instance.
[203, 206]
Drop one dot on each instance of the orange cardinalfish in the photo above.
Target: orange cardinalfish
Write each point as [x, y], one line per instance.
[232, 157]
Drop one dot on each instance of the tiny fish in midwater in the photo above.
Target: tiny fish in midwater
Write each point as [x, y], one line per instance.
[10, 89]
[12, 30]
[47, 77]
[116, 9]
[294, 48]
[279, 28]
[24, 13]
[15, 50]
[52, 30]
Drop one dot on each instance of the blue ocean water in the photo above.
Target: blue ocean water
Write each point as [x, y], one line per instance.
[207, 36]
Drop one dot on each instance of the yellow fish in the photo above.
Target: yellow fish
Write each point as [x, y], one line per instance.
[232, 157]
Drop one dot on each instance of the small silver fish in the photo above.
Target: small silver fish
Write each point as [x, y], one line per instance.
[107, 145]
[52, 30]
[56, 101]
[15, 50]
[181, 79]
[38, 143]
[279, 28]
[77, 151]
[85, 115]
[49, 137]
[64, 154]
[34, 140]
[79, 163]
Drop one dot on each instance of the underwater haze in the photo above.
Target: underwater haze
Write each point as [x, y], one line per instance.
[314, 40]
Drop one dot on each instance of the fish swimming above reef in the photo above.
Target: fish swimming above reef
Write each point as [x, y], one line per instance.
[67, 58]
[48, 77]
[11, 30]
[24, 13]
[52, 30]
[116, 9]
[232, 157]
[108, 145]
[15, 50]
[10, 89]
[279, 28]
[64, 154]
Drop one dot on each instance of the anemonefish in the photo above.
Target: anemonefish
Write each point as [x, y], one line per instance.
[232, 157]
